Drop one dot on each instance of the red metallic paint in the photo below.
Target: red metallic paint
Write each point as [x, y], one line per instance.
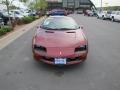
[59, 41]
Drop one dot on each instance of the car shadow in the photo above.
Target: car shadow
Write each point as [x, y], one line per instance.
[59, 70]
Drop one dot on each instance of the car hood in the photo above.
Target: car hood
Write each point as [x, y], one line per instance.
[52, 38]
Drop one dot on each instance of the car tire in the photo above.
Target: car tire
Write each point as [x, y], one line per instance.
[103, 18]
[113, 19]
[97, 17]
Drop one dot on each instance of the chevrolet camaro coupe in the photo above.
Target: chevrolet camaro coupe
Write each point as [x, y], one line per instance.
[59, 41]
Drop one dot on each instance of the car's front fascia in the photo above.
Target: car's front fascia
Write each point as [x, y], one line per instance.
[80, 53]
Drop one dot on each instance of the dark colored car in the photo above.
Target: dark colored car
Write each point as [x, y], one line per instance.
[1, 22]
[57, 12]
[60, 41]
[4, 17]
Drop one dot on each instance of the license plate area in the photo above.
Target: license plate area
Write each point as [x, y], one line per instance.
[60, 60]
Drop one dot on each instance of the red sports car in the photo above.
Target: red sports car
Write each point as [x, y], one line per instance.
[60, 41]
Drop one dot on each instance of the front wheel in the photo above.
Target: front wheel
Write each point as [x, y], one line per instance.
[97, 17]
[113, 19]
[103, 18]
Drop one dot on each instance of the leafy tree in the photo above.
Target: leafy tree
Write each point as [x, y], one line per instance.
[25, 1]
[38, 4]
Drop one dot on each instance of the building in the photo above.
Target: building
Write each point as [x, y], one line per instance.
[70, 4]
[78, 4]
[54, 4]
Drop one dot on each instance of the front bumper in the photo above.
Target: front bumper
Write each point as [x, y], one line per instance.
[71, 59]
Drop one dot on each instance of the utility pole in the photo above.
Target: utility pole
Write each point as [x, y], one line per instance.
[7, 4]
[74, 6]
[101, 5]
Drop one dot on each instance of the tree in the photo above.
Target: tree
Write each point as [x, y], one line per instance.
[8, 3]
[38, 4]
[25, 1]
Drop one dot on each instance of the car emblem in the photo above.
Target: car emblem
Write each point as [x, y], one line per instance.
[60, 53]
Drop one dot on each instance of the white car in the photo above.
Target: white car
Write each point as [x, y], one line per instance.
[104, 14]
[16, 14]
[115, 16]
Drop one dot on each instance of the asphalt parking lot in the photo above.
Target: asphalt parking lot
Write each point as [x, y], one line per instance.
[101, 71]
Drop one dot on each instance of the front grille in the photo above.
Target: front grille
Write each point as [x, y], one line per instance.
[40, 48]
[68, 59]
[73, 59]
[48, 59]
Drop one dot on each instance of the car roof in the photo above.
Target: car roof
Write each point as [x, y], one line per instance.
[60, 17]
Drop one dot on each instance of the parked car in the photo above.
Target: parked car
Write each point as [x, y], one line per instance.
[57, 12]
[16, 14]
[69, 12]
[89, 13]
[25, 12]
[32, 13]
[5, 17]
[115, 16]
[60, 41]
[79, 12]
[104, 14]
[1, 22]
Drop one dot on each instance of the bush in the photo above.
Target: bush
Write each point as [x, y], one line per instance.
[19, 21]
[27, 20]
[2, 32]
[33, 18]
[37, 17]
[5, 29]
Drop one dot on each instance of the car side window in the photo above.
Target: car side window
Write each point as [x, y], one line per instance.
[1, 15]
[16, 12]
[117, 13]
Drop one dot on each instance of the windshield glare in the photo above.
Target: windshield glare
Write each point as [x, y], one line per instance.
[60, 23]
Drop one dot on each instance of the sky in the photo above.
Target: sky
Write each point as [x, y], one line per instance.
[106, 3]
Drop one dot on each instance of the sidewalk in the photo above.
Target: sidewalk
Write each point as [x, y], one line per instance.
[9, 38]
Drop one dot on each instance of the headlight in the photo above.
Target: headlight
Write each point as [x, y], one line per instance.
[81, 48]
[40, 48]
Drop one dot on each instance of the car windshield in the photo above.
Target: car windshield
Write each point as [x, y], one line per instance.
[60, 11]
[59, 23]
